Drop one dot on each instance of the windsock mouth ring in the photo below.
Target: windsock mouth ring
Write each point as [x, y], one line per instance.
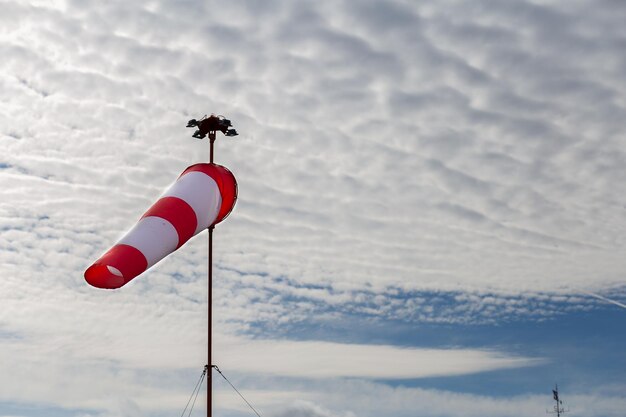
[226, 183]
[104, 276]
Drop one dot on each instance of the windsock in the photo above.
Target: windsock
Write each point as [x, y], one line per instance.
[201, 197]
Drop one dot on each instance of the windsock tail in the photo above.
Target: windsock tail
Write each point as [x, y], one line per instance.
[116, 267]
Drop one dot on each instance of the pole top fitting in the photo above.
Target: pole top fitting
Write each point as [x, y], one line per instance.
[207, 125]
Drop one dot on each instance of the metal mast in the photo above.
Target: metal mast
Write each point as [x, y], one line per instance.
[210, 125]
[558, 408]
[209, 383]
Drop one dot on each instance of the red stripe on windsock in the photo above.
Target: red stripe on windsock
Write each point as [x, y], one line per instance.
[178, 213]
[129, 261]
[225, 182]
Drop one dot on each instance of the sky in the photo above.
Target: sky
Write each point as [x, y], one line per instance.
[431, 216]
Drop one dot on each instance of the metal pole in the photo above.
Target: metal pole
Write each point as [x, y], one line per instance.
[209, 408]
[210, 364]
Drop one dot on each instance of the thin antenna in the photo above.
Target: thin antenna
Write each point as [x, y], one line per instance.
[558, 408]
[210, 125]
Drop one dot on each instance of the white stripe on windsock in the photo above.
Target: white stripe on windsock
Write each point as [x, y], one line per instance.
[206, 202]
[154, 237]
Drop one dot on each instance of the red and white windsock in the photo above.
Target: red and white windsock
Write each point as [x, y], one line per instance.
[202, 196]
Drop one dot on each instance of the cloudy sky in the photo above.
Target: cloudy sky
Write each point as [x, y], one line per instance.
[431, 218]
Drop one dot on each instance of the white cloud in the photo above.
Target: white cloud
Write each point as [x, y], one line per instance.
[413, 159]
[91, 347]
[331, 360]
[346, 398]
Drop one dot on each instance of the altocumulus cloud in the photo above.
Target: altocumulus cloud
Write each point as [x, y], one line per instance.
[390, 151]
